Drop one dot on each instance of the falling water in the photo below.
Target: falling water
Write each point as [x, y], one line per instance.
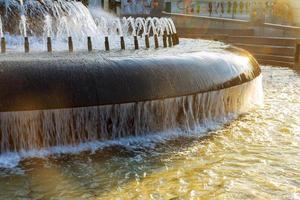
[132, 25]
[151, 26]
[255, 156]
[22, 26]
[140, 25]
[63, 30]
[1, 28]
[28, 130]
[166, 26]
[172, 25]
[101, 24]
[120, 29]
[48, 26]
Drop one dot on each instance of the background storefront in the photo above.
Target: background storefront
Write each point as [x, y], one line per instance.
[271, 11]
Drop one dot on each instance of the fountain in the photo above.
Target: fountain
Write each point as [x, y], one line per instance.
[3, 43]
[62, 98]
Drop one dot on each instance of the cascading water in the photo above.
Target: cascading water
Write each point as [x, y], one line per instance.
[22, 131]
[33, 130]
[23, 28]
[1, 29]
[28, 130]
[48, 26]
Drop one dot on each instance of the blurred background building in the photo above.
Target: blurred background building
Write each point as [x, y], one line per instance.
[286, 12]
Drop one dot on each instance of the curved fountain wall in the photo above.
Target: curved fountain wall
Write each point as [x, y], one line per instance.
[54, 102]
[62, 98]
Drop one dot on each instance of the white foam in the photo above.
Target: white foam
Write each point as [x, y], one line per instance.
[12, 159]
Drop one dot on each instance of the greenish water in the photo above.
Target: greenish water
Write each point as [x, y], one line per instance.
[256, 156]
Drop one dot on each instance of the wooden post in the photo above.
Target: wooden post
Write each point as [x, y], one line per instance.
[89, 44]
[165, 39]
[49, 44]
[170, 40]
[297, 55]
[156, 41]
[26, 44]
[106, 43]
[147, 43]
[3, 45]
[122, 43]
[70, 44]
[136, 43]
[176, 37]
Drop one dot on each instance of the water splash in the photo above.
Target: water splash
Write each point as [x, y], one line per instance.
[1, 28]
[22, 26]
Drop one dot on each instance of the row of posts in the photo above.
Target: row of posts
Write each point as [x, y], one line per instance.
[168, 41]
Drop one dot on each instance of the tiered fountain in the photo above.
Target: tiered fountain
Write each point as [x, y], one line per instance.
[58, 93]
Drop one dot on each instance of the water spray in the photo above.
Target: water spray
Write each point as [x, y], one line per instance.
[3, 42]
[175, 37]
[48, 31]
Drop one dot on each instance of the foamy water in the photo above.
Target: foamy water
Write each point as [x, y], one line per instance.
[255, 156]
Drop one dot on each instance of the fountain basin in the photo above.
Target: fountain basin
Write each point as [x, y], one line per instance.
[56, 100]
[56, 82]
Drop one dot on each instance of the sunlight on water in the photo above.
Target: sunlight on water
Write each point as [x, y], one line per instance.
[254, 157]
